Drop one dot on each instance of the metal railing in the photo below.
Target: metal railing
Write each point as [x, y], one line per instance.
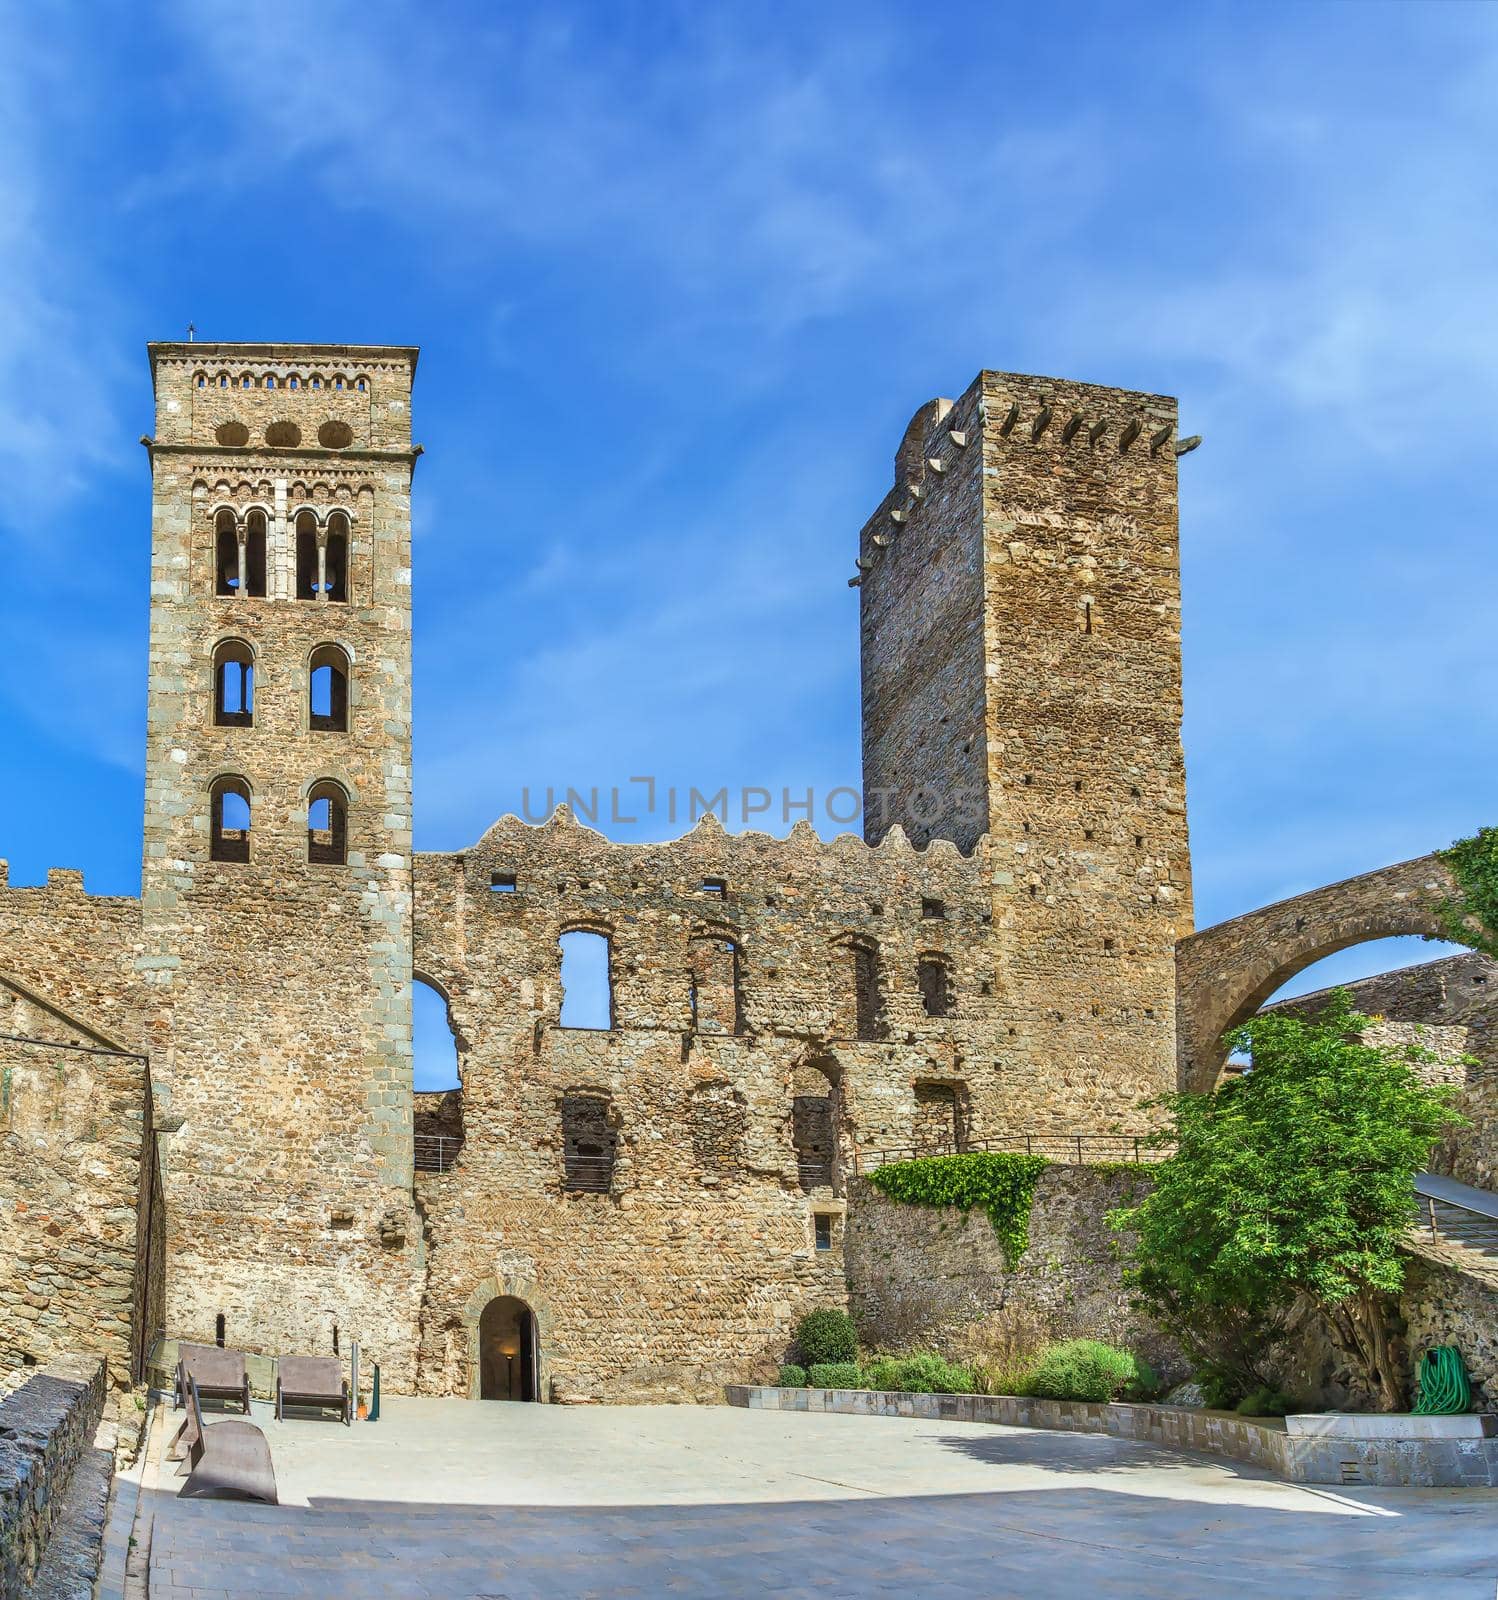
[814, 1172]
[1449, 1222]
[1067, 1147]
[436, 1152]
[587, 1174]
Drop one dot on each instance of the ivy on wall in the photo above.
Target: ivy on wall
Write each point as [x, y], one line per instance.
[1003, 1184]
[1471, 917]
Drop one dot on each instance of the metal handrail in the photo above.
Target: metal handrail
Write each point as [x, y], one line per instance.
[1428, 1203]
[436, 1152]
[1134, 1147]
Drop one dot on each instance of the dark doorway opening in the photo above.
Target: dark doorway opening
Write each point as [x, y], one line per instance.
[507, 1350]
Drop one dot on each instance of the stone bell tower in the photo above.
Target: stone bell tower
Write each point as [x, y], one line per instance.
[277, 875]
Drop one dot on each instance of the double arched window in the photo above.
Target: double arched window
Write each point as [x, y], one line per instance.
[327, 689]
[229, 820]
[322, 556]
[239, 553]
[233, 684]
[327, 823]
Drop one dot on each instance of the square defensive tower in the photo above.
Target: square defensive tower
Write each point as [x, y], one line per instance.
[1021, 649]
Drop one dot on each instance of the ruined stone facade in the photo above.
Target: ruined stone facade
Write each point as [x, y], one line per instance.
[1449, 1008]
[667, 1194]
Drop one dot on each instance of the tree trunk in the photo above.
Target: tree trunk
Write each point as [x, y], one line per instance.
[1361, 1326]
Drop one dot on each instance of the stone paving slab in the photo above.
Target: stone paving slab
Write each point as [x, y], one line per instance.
[467, 1501]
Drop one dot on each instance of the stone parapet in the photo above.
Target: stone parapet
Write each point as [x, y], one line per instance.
[45, 1426]
[1404, 1461]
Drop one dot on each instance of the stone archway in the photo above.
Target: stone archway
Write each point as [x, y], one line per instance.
[1226, 972]
[508, 1353]
[523, 1291]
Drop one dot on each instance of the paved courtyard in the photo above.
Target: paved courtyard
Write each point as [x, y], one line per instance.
[473, 1501]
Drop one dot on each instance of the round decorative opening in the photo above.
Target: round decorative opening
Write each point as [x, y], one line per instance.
[283, 436]
[335, 436]
[232, 433]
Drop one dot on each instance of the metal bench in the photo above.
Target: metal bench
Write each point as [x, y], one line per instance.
[228, 1460]
[313, 1381]
[219, 1374]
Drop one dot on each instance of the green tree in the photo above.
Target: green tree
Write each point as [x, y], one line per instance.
[1471, 916]
[1294, 1179]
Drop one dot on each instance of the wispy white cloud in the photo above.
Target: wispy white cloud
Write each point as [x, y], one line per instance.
[59, 380]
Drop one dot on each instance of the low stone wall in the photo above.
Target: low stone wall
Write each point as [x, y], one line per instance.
[45, 1426]
[1410, 1462]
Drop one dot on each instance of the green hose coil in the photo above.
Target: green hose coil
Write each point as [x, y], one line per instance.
[1442, 1383]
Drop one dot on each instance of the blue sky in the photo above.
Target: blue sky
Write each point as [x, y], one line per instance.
[680, 275]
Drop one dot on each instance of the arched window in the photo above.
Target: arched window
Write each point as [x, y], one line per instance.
[327, 824]
[202, 381]
[233, 684]
[587, 983]
[327, 684]
[270, 380]
[229, 820]
[226, 575]
[934, 980]
[589, 1143]
[713, 967]
[293, 382]
[434, 1049]
[816, 1110]
[335, 569]
[858, 976]
[306, 556]
[254, 554]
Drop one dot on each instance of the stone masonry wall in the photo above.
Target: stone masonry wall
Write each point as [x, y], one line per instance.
[45, 1426]
[697, 1262]
[924, 1277]
[74, 1141]
[76, 951]
[286, 1094]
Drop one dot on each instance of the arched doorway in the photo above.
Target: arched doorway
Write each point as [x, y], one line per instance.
[507, 1350]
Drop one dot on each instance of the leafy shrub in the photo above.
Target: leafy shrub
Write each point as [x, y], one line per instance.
[826, 1336]
[1004, 1376]
[1145, 1384]
[1269, 1403]
[1221, 1391]
[1084, 1369]
[792, 1376]
[836, 1375]
[918, 1374]
[882, 1373]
